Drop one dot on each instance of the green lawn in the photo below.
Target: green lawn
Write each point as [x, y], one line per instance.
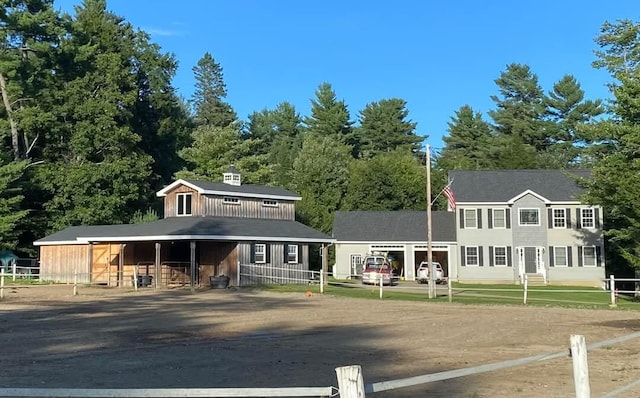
[548, 296]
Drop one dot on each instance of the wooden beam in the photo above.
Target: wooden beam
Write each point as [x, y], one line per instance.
[157, 265]
[192, 261]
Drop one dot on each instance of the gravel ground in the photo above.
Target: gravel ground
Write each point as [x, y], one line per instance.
[114, 338]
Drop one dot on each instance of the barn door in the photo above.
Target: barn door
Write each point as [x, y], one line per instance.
[105, 256]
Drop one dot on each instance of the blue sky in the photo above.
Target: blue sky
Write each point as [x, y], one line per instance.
[436, 55]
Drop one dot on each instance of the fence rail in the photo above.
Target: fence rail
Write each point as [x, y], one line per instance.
[265, 274]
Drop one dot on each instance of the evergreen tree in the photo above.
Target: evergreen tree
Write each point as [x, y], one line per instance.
[329, 117]
[520, 107]
[615, 177]
[320, 175]
[214, 149]
[470, 144]
[11, 211]
[384, 128]
[210, 92]
[567, 110]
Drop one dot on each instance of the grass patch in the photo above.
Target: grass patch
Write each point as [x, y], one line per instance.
[512, 295]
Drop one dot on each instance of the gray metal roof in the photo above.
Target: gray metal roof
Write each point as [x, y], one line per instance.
[196, 228]
[242, 189]
[393, 226]
[503, 185]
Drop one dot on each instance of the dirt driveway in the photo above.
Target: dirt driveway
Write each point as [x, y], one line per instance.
[109, 338]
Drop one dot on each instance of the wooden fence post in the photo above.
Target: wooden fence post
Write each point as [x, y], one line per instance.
[321, 281]
[14, 269]
[612, 287]
[2, 283]
[526, 285]
[580, 366]
[381, 283]
[75, 283]
[350, 381]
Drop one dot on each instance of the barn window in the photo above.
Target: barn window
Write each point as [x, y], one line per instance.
[230, 200]
[184, 204]
[270, 203]
[260, 253]
[292, 254]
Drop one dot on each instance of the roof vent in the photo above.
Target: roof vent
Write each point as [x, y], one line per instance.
[231, 176]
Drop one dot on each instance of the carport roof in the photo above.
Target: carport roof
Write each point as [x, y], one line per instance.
[393, 226]
[191, 228]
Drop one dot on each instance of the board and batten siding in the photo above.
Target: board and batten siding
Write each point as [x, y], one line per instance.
[170, 201]
[214, 205]
[276, 253]
[59, 263]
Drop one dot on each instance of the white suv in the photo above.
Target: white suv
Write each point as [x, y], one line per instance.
[422, 275]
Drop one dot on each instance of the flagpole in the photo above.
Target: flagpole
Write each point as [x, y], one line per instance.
[429, 251]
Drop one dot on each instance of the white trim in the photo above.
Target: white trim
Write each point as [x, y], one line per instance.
[528, 192]
[520, 224]
[593, 217]
[274, 204]
[231, 200]
[464, 218]
[466, 263]
[199, 237]
[164, 191]
[595, 257]
[264, 253]
[59, 242]
[566, 256]
[495, 256]
[554, 218]
[504, 219]
[297, 254]
[184, 213]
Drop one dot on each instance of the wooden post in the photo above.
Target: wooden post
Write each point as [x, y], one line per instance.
[449, 287]
[75, 283]
[192, 261]
[612, 287]
[350, 381]
[526, 285]
[321, 282]
[156, 265]
[325, 266]
[135, 277]
[14, 269]
[121, 265]
[2, 283]
[580, 366]
[238, 273]
[381, 283]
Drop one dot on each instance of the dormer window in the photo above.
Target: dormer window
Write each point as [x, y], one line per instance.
[184, 204]
[230, 200]
[231, 176]
[270, 203]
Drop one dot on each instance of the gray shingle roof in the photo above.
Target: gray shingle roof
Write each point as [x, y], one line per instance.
[210, 228]
[240, 189]
[503, 185]
[393, 226]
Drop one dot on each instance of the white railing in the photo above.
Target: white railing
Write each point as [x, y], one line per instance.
[265, 274]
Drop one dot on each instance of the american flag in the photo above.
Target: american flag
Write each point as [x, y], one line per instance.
[451, 198]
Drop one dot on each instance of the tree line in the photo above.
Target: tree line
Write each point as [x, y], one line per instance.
[92, 127]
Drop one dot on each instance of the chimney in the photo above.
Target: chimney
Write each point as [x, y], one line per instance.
[231, 176]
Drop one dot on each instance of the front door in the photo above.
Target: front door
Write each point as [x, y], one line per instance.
[530, 260]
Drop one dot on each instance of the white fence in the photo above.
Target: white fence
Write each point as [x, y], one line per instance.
[351, 380]
[265, 274]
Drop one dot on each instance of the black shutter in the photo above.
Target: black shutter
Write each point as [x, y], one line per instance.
[569, 256]
[596, 218]
[490, 256]
[551, 258]
[567, 216]
[253, 253]
[490, 218]
[461, 214]
[578, 219]
[509, 257]
[300, 255]
[479, 218]
[507, 216]
[598, 257]
[268, 253]
[550, 217]
[480, 263]
[463, 259]
[285, 249]
[579, 256]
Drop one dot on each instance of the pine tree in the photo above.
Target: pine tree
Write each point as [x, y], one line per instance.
[210, 92]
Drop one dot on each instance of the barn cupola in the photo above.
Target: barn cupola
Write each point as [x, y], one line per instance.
[231, 176]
